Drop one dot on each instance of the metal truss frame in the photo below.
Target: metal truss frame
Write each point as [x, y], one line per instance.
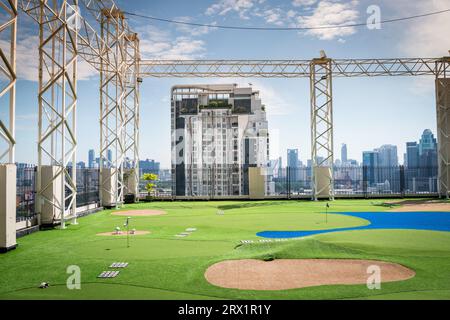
[57, 142]
[131, 111]
[285, 68]
[320, 72]
[322, 155]
[105, 51]
[8, 29]
[112, 113]
[90, 46]
[443, 124]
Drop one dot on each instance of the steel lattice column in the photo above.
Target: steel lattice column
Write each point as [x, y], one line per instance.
[131, 109]
[57, 143]
[322, 128]
[8, 30]
[443, 124]
[112, 114]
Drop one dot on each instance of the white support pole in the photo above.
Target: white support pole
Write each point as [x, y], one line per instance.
[112, 114]
[322, 157]
[443, 125]
[131, 110]
[8, 31]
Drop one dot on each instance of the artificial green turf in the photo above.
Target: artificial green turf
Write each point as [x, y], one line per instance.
[165, 267]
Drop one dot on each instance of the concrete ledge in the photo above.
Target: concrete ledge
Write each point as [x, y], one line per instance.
[89, 212]
[5, 250]
[24, 232]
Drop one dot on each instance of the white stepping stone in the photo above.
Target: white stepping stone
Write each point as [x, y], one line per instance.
[180, 235]
[119, 265]
[108, 274]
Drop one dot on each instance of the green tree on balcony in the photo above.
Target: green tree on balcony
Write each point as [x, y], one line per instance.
[150, 178]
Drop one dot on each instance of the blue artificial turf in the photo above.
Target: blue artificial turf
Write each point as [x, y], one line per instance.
[434, 221]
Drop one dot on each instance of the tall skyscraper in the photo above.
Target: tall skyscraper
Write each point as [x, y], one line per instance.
[344, 158]
[427, 142]
[292, 158]
[293, 164]
[218, 132]
[428, 159]
[412, 155]
[91, 158]
[387, 156]
[370, 162]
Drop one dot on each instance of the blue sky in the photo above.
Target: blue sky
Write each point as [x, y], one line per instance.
[367, 112]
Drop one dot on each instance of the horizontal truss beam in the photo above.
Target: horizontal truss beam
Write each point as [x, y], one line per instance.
[288, 68]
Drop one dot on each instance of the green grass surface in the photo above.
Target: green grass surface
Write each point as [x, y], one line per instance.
[165, 267]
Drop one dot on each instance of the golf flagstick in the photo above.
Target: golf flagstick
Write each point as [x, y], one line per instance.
[326, 213]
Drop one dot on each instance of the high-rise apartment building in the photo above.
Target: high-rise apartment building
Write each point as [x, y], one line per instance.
[218, 132]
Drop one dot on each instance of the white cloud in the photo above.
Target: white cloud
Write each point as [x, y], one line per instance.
[331, 13]
[241, 7]
[425, 37]
[28, 60]
[160, 44]
[291, 14]
[193, 30]
[301, 3]
[274, 16]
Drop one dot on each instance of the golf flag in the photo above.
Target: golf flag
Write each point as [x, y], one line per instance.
[328, 205]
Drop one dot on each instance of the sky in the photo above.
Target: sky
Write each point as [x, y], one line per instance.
[367, 112]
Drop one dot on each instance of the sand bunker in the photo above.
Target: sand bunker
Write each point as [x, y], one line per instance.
[423, 206]
[139, 213]
[292, 274]
[124, 233]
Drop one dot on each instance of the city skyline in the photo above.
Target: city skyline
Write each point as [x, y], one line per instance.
[284, 160]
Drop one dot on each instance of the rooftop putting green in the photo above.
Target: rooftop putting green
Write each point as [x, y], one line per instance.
[162, 266]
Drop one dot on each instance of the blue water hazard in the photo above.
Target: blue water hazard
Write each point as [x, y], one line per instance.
[434, 221]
